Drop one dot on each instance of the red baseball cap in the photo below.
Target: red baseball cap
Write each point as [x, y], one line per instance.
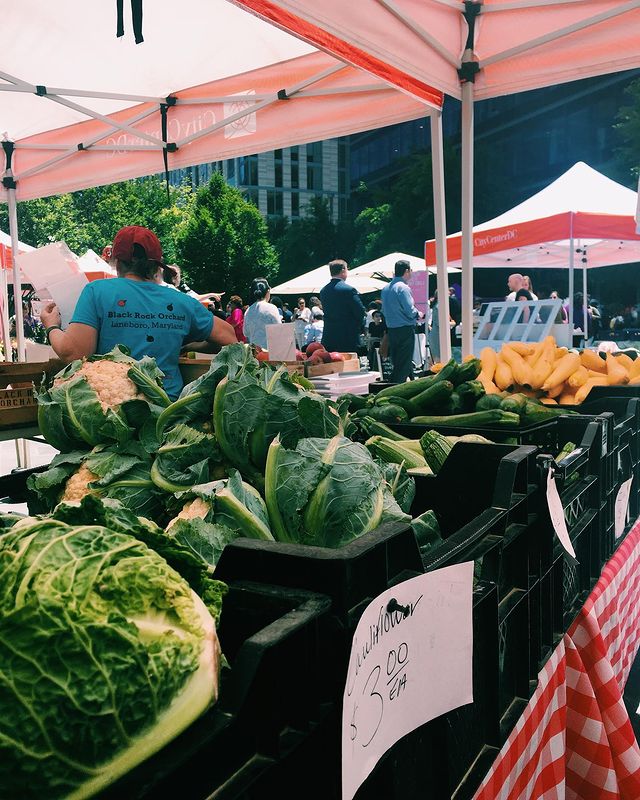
[125, 238]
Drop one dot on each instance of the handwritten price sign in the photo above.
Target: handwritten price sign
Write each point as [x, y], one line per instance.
[411, 660]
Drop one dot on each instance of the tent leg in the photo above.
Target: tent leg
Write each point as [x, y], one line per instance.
[572, 245]
[467, 218]
[5, 337]
[17, 282]
[440, 224]
[585, 303]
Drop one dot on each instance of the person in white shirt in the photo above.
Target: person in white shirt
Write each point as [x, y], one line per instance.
[526, 284]
[302, 317]
[313, 331]
[515, 282]
[260, 314]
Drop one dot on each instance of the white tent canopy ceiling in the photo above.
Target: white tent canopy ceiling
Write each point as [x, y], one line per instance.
[385, 265]
[83, 108]
[315, 279]
[472, 49]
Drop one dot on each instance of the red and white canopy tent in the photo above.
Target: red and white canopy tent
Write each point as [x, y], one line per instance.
[82, 108]
[471, 49]
[581, 218]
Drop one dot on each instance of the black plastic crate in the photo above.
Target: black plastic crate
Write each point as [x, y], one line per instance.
[624, 403]
[513, 659]
[626, 470]
[574, 579]
[265, 711]
[526, 434]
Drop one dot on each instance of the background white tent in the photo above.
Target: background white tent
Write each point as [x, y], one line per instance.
[385, 266]
[313, 281]
[91, 263]
[82, 108]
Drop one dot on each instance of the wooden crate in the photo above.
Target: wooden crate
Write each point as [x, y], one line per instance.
[12, 373]
[350, 364]
[17, 407]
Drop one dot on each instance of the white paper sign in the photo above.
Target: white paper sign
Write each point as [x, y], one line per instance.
[281, 342]
[621, 507]
[556, 513]
[406, 666]
[55, 274]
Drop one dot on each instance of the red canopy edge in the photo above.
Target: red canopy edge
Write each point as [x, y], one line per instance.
[329, 43]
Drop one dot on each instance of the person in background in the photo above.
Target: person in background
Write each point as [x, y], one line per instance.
[514, 282]
[343, 311]
[314, 330]
[526, 284]
[371, 309]
[315, 305]
[277, 302]
[236, 317]
[302, 317]
[287, 313]
[400, 316]
[134, 310]
[376, 332]
[260, 313]
[523, 296]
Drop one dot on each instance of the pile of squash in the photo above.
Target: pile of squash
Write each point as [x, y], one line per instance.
[554, 375]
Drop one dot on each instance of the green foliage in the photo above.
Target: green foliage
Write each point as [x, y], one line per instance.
[222, 244]
[628, 128]
[90, 218]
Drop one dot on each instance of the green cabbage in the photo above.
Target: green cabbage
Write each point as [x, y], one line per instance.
[70, 414]
[186, 457]
[106, 654]
[326, 492]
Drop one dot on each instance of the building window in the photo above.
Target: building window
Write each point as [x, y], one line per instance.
[314, 176]
[274, 202]
[295, 204]
[295, 176]
[248, 170]
[295, 153]
[231, 168]
[252, 196]
[314, 152]
[278, 174]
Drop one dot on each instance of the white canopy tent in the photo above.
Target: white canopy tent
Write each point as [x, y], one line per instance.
[82, 108]
[582, 213]
[384, 266]
[471, 49]
[313, 281]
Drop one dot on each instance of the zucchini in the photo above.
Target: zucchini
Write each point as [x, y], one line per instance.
[396, 401]
[389, 412]
[394, 453]
[422, 472]
[516, 403]
[469, 393]
[467, 371]
[356, 401]
[478, 419]
[535, 412]
[432, 399]
[408, 389]
[436, 448]
[566, 450]
[456, 405]
[373, 427]
[488, 401]
[449, 372]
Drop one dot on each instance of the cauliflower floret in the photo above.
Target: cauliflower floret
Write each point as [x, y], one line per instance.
[76, 487]
[110, 382]
[192, 509]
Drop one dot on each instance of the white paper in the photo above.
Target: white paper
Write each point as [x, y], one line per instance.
[622, 507]
[404, 671]
[281, 342]
[556, 513]
[55, 274]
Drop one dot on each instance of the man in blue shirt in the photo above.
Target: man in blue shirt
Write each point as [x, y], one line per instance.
[400, 315]
[343, 311]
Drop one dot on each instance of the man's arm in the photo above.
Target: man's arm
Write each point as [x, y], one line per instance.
[359, 311]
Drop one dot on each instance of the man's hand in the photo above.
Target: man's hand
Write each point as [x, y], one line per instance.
[50, 315]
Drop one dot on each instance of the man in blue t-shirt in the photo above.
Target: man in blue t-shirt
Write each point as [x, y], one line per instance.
[400, 314]
[134, 310]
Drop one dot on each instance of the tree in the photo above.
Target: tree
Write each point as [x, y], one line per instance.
[90, 218]
[628, 128]
[222, 244]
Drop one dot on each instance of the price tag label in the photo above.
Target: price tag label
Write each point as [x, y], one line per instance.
[411, 660]
[556, 512]
[622, 507]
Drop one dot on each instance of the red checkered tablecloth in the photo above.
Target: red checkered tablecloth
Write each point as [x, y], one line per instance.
[574, 740]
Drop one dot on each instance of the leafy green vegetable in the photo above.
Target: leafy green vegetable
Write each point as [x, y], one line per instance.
[122, 473]
[186, 457]
[217, 513]
[251, 409]
[326, 492]
[100, 400]
[106, 655]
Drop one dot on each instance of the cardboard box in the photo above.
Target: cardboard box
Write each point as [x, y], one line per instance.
[351, 363]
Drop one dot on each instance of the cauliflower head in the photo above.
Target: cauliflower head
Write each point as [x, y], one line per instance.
[109, 380]
[191, 510]
[77, 485]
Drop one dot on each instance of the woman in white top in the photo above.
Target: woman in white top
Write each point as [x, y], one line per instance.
[260, 314]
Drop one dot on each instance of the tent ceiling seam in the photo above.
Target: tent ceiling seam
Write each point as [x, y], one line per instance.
[559, 34]
[521, 4]
[419, 31]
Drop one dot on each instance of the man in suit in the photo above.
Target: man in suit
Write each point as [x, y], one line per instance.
[343, 311]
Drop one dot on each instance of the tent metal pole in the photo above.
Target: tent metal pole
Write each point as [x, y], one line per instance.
[585, 303]
[467, 218]
[4, 313]
[17, 281]
[440, 224]
[571, 265]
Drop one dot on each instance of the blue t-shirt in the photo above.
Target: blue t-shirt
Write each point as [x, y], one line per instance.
[150, 319]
